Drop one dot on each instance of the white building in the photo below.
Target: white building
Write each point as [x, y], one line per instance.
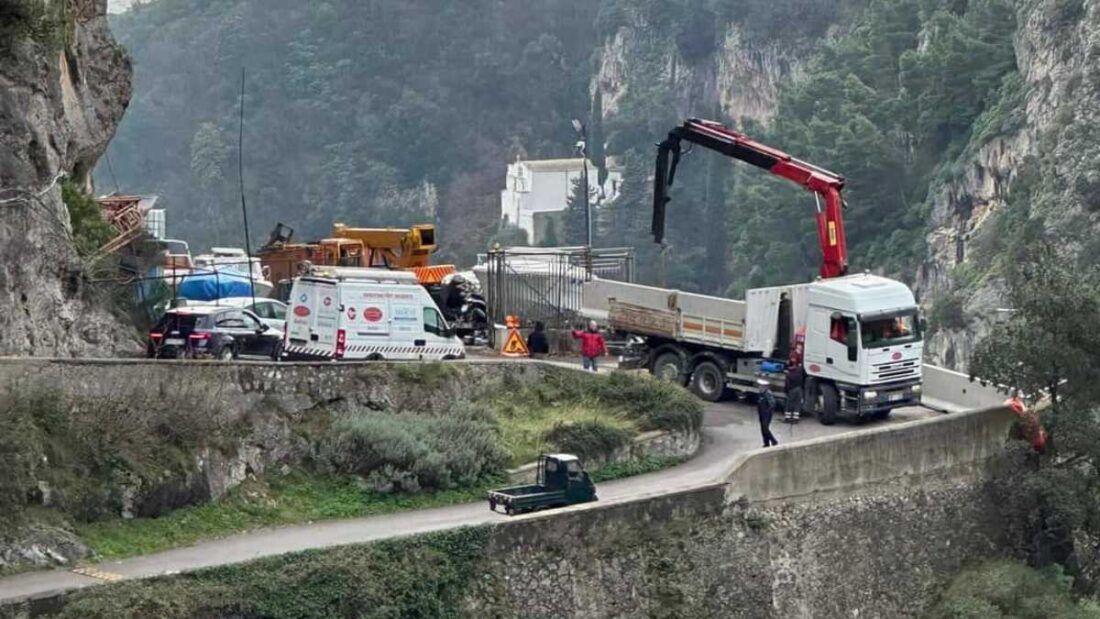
[535, 191]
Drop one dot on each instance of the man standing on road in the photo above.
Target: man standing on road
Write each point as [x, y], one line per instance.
[765, 408]
[593, 345]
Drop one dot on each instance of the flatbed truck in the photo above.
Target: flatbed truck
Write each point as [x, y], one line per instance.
[561, 480]
[856, 340]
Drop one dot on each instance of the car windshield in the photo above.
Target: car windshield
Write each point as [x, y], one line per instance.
[890, 330]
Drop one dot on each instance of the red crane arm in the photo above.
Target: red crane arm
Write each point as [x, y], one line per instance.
[717, 137]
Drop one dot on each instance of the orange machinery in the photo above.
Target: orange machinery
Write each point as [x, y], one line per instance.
[407, 249]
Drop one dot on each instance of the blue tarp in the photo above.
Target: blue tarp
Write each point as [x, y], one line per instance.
[212, 286]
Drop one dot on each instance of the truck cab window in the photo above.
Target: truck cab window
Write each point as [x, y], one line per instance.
[433, 322]
[842, 329]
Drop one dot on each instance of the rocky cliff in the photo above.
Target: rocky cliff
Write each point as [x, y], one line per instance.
[64, 84]
[1042, 171]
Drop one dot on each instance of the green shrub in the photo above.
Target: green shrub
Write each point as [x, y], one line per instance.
[422, 576]
[588, 439]
[90, 230]
[1009, 589]
[652, 404]
[396, 451]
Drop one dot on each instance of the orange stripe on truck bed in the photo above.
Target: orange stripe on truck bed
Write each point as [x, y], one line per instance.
[712, 329]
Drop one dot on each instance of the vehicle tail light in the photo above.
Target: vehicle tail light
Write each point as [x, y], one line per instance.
[155, 336]
[341, 342]
[199, 339]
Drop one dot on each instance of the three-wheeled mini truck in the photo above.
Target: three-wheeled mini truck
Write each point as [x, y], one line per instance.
[561, 481]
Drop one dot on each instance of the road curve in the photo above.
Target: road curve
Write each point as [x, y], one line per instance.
[729, 429]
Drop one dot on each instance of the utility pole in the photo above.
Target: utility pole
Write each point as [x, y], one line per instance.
[582, 147]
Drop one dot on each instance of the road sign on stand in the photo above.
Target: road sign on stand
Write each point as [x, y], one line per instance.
[514, 346]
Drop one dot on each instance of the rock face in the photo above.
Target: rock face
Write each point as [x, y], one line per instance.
[1053, 142]
[62, 94]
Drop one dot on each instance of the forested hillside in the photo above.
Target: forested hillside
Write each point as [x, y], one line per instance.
[384, 113]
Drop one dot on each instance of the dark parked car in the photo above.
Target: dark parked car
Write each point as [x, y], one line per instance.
[211, 331]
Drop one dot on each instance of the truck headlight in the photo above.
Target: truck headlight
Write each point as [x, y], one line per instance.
[916, 388]
[870, 394]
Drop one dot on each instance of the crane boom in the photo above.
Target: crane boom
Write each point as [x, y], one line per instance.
[717, 137]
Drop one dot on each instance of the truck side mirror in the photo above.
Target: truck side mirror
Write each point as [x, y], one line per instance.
[923, 324]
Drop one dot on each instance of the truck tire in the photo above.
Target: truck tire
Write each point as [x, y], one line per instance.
[830, 404]
[669, 366]
[708, 382]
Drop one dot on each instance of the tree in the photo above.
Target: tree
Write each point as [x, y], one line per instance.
[574, 226]
[1049, 349]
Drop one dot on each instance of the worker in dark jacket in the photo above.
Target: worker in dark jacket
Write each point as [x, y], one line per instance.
[765, 408]
[537, 343]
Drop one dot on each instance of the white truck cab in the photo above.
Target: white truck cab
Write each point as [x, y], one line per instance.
[863, 337]
[366, 314]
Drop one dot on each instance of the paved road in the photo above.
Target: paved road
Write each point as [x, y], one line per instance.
[729, 429]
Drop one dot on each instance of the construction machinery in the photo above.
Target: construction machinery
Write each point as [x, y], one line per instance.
[826, 185]
[842, 345]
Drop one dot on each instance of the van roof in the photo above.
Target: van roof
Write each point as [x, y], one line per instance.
[361, 274]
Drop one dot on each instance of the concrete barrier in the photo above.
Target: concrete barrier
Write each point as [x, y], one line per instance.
[952, 447]
[952, 391]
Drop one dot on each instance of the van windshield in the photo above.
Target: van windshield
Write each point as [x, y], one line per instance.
[890, 330]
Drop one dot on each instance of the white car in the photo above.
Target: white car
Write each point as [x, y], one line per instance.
[271, 312]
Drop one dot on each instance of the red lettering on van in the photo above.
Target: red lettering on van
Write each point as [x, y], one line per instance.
[301, 311]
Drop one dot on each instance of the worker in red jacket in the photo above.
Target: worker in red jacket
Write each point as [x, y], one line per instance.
[593, 345]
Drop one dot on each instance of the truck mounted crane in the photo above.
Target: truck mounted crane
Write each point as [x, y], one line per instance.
[826, 185]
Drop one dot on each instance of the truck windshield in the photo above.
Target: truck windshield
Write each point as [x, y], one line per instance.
[890, 330]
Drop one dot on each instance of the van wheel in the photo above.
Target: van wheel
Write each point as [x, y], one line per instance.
[829, 404]
[669, 366]
[375, 357]
[707, 381]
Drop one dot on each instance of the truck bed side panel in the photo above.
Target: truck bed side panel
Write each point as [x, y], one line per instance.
[644, 321]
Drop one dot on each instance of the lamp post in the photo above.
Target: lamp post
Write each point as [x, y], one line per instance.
[582, 148]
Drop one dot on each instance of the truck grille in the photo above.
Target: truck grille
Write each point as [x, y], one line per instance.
[897, 370]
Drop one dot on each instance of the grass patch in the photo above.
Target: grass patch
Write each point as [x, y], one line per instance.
[641, 466]
[294, 498]
[525, 426]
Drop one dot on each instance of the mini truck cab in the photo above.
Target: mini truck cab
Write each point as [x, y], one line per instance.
[863, 346]
[366, 314]
[561, 481]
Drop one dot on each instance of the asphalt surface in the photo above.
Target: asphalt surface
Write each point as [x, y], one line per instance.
[730, 429]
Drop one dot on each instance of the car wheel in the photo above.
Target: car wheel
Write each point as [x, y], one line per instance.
[829, 404]
[707, 381]
[669, 366]
[226, 353]
[277, 352]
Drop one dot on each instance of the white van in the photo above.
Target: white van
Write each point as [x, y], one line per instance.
[373, 314]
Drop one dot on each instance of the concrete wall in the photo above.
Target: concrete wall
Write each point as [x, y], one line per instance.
[953, 391]
[952, 446]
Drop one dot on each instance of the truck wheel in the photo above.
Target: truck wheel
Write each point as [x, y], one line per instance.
[882, 414]
[708, 382]
[511, 511]
[829, 404]
[669, 366]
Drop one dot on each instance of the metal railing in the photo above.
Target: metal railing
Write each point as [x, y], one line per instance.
[545, 284]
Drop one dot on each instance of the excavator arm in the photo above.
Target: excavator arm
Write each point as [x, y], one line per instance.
[715, 136]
